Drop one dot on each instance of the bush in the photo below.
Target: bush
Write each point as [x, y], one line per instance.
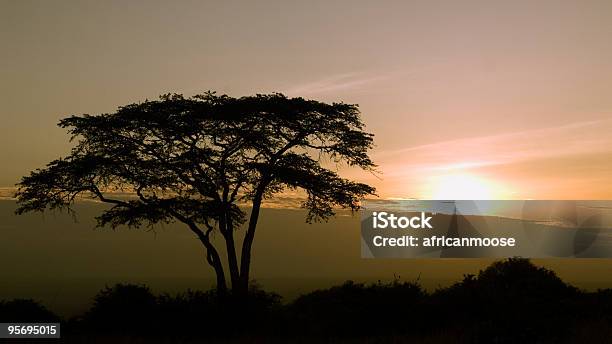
[207, 313]
[123, 308]
[355, 309]
[511, 300]
[133, 309]
[25, 310]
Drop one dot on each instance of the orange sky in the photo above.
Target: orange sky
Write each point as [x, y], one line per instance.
[470, 99]
[565, 162]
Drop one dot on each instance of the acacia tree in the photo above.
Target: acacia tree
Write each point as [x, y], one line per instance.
[195, 160]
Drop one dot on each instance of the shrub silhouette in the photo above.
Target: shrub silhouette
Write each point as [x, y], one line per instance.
[123, 308]
[355, 308]
[135, 310]
[25, 310]
[211, 313]
[510, 300]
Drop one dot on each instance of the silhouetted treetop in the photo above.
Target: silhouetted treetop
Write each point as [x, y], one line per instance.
[195, 159]
[202, 145]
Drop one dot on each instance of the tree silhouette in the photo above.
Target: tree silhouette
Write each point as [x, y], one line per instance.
[195, 160]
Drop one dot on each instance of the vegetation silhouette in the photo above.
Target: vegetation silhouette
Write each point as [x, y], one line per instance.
[511, 301]
[195, 160]
[356, 308]
[123, 308]
[25, 310]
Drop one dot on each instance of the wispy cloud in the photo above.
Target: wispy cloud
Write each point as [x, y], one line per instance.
[571, 139]
[571, 161]
[7, 193]
[336, 83]
[580, 138]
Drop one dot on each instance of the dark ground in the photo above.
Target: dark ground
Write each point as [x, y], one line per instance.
[511, 301]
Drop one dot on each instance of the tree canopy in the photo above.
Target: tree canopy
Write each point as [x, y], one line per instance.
[195, 160]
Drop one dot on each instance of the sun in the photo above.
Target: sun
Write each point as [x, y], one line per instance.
[458, 186]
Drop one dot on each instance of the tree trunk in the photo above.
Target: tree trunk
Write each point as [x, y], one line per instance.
[245, 258]
[221, 284]
[212, 257]
[228, 234]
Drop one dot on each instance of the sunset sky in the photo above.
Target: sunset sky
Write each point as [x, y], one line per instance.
[467, 99]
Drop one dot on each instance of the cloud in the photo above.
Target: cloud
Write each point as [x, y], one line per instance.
[339, 82]
[7, 193]
[575, 139]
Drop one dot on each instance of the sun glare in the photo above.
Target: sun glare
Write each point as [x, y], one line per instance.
[462, 186]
